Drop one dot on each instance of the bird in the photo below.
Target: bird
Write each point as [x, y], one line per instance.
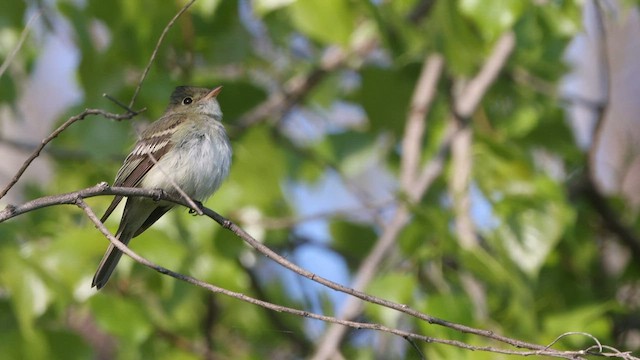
[186, 148]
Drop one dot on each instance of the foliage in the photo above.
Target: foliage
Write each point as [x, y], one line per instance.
[537, 272]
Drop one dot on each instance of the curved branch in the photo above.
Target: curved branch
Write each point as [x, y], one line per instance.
[55, 134]
[353, 324]
[77, 198]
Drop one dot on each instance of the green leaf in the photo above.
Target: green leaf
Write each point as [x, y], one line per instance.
[532, 207]
[65, 344]
[7, 89]
[530, 235]
[327, 21]
[588, 319]
[155, 245]
[30, 297]
[353, 241]
[237, 97]
[12, 14]
[11, 341]
[205, 8]
[454, 307]
[385, 95]
[493, 17]
[396, 287]
[118, 316]
[227, 40]
[303, 170]
[349, 149]
[256, 173]
[264, 6]
[456, 39]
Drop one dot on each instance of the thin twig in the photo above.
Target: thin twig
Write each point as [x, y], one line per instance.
[598, 344]
[155, 50]
[296, 89]
[215, 289]
[54, 134]
[119, 103]
[23, 37]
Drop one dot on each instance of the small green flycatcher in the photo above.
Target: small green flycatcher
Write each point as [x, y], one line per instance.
[186, 148]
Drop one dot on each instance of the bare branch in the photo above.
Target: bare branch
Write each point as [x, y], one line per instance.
[459, 187]
[77, 198]
[118, 102]
[54, 134]
[104, 189]
[296, 89]
[468, 99]
[423, 95]
[23, 37]
[353, 324]
[155, 50]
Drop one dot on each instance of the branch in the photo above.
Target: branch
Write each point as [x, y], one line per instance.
[57, 132]
[77, 198]
[423, 95]
[155, 50]
[465, 104]
[459, 187]
[296, 89]
[23, 37]
[469, 99]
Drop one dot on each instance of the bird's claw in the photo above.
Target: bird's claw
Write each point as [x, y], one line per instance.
[194, 211]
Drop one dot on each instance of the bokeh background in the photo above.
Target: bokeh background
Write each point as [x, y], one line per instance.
[529, 227]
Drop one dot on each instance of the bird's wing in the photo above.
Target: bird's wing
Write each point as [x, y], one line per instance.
[151, 147]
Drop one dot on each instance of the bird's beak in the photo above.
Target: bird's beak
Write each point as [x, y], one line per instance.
[213, 93]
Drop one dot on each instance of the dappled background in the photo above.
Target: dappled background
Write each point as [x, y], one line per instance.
[475, 160]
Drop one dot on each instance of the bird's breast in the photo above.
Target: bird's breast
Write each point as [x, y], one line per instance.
[197, 163]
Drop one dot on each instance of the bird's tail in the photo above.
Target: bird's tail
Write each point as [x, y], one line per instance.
[109, 261]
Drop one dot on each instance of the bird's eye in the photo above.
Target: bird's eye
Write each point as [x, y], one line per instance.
[187, 101]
